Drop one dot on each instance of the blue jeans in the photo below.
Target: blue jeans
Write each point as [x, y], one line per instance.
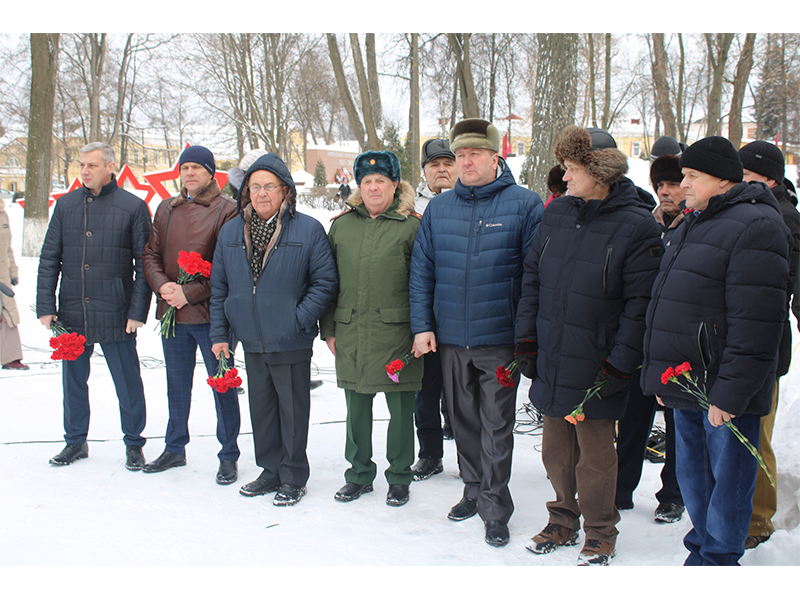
[717, 478]
[123, 362]
[180, 356]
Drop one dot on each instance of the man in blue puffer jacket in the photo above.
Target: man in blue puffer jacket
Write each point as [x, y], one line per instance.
[272, 278]
[718, 304]
[465, 281]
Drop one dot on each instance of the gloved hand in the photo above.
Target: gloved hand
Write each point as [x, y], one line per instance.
[526, 353]
[14, 280]
[613, 380]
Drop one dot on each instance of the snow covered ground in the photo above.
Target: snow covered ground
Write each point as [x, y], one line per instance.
[96, 513]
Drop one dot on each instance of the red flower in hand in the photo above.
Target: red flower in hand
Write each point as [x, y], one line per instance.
[227, 378]
[192, 266]
[394, 367]
[66, 346]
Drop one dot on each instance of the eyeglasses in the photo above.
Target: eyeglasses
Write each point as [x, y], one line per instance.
[255, 189]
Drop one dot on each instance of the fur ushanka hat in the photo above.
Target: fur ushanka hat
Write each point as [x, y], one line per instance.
[605, 164]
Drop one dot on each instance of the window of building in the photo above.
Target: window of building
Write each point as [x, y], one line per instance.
[136, 156]
[13, 162]
[520, 148]
[636, 149]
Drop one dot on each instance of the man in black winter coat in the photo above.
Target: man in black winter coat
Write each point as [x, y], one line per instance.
[763, 162]
[586, 284]
[718, 307]
[94, 245]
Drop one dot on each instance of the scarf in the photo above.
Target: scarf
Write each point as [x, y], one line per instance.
[260, 235]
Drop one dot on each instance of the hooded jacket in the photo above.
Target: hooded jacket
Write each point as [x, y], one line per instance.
[279, 312]
[585, 291]
[94, 245]
[181, 224]
[370, 316]
[791, 218]
[466, 269]
[719, 303]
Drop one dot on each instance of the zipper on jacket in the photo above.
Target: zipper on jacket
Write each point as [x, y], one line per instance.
[470, 244]
[544, 247]
[606, 267]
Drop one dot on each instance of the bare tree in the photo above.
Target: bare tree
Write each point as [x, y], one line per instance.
[718, 46]
[459, 44]
[38, 174]
[347, 98]
[743, 68]
[365, 92]
[659, 64]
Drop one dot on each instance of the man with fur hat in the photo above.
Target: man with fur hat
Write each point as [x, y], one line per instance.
[190, 222]
[439, 167]
[466, 276]
[579, 327]
[273, 277]
[763, 162]
[634, 427]
[367, 327]
[718, 308]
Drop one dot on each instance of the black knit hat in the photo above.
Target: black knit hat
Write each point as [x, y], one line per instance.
[763, 158]
[665, 168]
[200, 155]
[434, 149]
[715, 156]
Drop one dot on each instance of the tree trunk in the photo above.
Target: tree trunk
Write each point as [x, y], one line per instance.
[743, 68]
[718, 47]
[96, 66]
[658, 68]
[555, 99]
[373, 142]
[344, 91]
[592, 95]
[459, 44]
[413, 113]
[372, 78]
[38, 175]
[607, 99]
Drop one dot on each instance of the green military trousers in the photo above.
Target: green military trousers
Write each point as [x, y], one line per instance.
[399, 438]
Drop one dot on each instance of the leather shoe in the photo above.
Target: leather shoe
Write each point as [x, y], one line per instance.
[668, 512]
[397, 495]
[447, 431]
[288, 495]
[70, 454]
[624, 505]
[16, 366]
[426, 468]
[352, 491]
[259, 487]
[496, 533]
[466, 508]
[166, 461]
[134, 458]
[228, 472]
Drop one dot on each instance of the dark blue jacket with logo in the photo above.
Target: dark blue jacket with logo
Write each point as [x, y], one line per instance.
[278, 312]
[587, 284]
[466, 266]
[719, 303]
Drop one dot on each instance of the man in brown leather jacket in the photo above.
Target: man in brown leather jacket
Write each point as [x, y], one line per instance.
[190, 222]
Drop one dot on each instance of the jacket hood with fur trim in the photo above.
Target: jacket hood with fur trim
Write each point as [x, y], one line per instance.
[575, 145]
[404, 192]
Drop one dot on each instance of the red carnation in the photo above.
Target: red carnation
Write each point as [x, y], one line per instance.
[397, 365]
[192, 266]
[66, 346]
[227, 378]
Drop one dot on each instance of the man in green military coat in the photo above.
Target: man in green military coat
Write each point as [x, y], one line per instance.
[368, 325]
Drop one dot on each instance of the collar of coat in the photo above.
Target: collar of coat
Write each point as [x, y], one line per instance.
[247, 215]
[108, 188]
[658, 215]
[400, 208]
[204, 196]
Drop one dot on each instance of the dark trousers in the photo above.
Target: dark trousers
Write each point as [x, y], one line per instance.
[633, 432]
[429, 408]
[717, 475]
[280, 405]
[399, 438]
[180, 356]
[581, 464]
[482, 416]
[123, 362]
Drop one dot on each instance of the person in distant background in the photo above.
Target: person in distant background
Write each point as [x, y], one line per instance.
[556, 184]
[10, 346]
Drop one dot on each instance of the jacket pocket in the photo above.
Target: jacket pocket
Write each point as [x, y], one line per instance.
[708, 345]
[343, 315]
[607, 268]
[395, 315]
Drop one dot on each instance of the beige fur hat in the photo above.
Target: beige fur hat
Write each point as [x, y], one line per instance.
[604, 163]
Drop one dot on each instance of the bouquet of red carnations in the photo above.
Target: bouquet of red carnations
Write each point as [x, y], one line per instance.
[394, 367]
[227, 378]
[506, 374]
[66, 345]
[192, 266]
